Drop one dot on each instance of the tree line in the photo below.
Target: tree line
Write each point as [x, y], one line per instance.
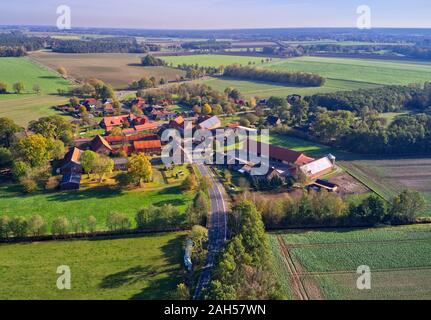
[284, 77]
[329, 209]
[103, 45]
[161, 218]
[243, 270]
[383, 99]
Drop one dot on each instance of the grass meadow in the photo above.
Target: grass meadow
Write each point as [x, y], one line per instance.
[23, 108]
[142, 267]
[98, 202]
[341, 73]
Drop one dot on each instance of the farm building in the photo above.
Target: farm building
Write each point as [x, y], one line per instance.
[120, 164]
[70, 181]
[280, 155]
[149, 147]
[71, 163]
[318, 168]
[100, 145]
[138, 123]
[324, 184]
[210, 123]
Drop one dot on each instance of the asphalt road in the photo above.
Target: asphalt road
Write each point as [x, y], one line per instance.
[217, 228]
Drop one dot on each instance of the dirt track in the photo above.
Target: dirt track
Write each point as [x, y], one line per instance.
[303, 286]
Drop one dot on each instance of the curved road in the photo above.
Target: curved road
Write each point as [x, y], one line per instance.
[217, 227]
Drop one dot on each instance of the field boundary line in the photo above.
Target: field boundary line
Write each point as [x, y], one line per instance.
[341, 272]
[297, 285]
[330, 244]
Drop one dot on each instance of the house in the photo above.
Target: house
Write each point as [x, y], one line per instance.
[273, 120]
[71, 163]
[149, 147]
[177, 123]
[120, 164]
[138, 123]
[100, 145]
[210, 123]
[293, 98]
[108, 123]
[70, 181]
[318, 168]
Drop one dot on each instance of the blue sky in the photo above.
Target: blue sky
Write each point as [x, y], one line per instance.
[217, 14]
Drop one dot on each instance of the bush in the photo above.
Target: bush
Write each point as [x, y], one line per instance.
[28, 184]
[18, 226]
[4, 226]
[36, 225]
[117, 221]
[60, 226]
[52, 183]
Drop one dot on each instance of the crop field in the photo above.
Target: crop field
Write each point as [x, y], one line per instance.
[341, 73]
[98, 202]
[389, 177]
[267, 89]
[28, 106]
[214, 60]
[381, 72]
[322, 264]
[144, 267]
[117, 69]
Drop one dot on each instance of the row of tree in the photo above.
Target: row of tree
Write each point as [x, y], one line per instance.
[284, 77]
[102, 45]
[243, 270]
[149, 218]
[18, 88]
[329, 209]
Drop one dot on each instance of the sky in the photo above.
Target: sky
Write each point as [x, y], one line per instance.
[217, 14]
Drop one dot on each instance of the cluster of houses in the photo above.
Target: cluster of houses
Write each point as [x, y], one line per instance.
[141, 133]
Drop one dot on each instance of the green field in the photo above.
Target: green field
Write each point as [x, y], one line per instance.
[28, 106]
[359, 70]
[98, 202]
[399, 258]
[213, 60]
[341, 74]
[147, 267]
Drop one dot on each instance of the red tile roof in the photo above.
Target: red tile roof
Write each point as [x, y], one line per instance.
[147, 126]
[283, 154]
[148, 144]
[98, 142]
[178, 121]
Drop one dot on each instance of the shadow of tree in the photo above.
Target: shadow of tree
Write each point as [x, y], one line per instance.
[162, 280]
[173, 202]
[99, 193]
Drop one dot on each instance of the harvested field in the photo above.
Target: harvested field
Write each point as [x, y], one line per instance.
[389, 177]
[118, 69]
